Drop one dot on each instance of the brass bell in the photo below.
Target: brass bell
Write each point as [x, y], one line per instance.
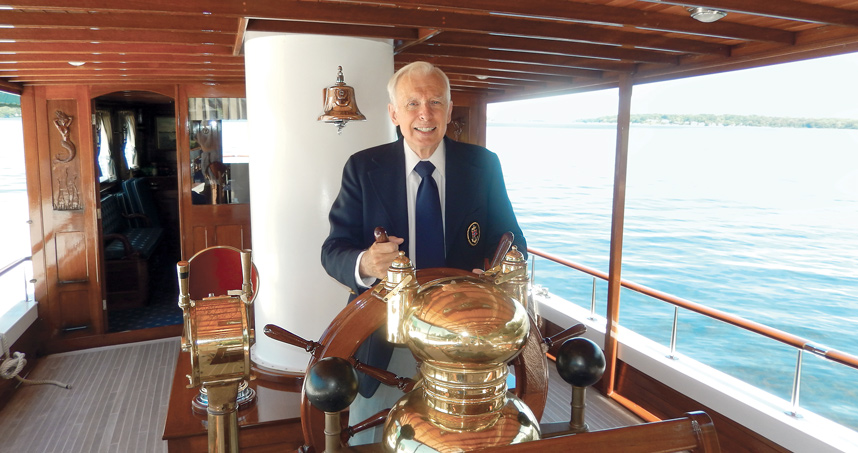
[340, 104]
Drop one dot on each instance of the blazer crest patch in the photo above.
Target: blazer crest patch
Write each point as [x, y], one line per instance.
[473, 234]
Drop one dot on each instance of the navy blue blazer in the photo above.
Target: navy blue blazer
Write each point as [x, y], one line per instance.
[477, 209]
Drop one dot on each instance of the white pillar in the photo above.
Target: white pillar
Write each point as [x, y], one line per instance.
[295, 170]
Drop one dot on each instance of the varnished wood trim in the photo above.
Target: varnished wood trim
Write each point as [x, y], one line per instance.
[110, 339]
[664, 403]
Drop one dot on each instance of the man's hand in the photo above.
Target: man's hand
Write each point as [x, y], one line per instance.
[377, 259]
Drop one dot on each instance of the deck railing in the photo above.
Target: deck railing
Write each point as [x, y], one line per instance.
[799, 343]
[8, 282]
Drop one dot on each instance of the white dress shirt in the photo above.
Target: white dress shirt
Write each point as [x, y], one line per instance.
[412, 182]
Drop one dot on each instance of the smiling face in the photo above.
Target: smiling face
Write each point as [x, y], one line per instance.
[422, 111]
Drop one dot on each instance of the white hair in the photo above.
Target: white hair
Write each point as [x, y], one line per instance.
[417, 68]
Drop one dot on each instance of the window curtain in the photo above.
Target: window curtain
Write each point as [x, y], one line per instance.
[205, 109]
[130, 126]
[106, 165]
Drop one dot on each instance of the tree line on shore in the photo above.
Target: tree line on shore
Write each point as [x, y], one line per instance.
[10, 111]
[705, 119]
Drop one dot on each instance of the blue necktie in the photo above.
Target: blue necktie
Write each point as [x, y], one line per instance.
[429, 229]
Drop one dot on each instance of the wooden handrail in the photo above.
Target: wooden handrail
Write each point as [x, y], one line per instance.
[795, 341]
[695, 432]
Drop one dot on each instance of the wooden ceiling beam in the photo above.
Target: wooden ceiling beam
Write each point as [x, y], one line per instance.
[10, 87]
[238, 44]
[110, 35]
[500, 82]
[523, 57]
[83, 71]
[555, 46]
[124, 21]
[464, 62]
[320, 28]
[150, 58]
[781, 9]
[484, 85]
[111, 48]
[125, 81]
[64, 66]
[423, 35]
[523, 76]
[589, 13]
[191, 7]
[477, 91]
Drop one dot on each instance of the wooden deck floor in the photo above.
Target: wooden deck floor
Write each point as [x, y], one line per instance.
[118, 402]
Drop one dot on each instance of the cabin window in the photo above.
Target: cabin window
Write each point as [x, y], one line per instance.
[104, 129]
[219, 153]
[129, 137]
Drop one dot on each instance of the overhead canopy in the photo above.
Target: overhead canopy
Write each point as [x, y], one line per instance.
[503, 48]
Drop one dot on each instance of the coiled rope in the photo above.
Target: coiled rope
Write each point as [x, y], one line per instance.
[14, 363]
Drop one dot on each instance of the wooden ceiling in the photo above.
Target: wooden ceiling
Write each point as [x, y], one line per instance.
[506, 48]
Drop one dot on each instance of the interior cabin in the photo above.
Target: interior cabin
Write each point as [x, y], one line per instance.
[154, 131]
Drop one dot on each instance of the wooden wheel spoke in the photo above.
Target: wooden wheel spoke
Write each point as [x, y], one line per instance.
[385, 377]
[371, 422]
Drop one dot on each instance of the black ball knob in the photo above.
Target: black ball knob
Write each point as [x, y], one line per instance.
[331, 384]
[580, 362]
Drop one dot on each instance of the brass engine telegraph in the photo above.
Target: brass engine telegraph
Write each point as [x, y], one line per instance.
[218, 336]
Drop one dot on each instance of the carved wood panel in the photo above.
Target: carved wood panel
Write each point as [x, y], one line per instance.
[62, 147]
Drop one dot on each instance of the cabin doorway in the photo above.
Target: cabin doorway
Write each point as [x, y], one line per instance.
[136, 157]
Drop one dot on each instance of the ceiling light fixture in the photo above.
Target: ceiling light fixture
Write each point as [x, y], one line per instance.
[77, 63]
[706, 15]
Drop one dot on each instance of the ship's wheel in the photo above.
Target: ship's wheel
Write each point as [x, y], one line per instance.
[367, 313]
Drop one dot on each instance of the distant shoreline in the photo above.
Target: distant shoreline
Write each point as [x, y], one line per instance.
[698, 120]
[10, 111]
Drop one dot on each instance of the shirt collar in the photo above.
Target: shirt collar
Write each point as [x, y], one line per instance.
[438, 158]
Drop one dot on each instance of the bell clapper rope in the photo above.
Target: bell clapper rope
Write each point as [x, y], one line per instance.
[12, 366]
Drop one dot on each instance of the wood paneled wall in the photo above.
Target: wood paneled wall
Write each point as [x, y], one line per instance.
[469, 118]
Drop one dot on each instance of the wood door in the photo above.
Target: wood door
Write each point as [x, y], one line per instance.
[206, 225]
[63, 208]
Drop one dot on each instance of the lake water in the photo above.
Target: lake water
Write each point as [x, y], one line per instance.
[759, 222]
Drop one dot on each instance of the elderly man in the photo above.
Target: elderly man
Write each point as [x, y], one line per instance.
[443, 202]
[381, 186]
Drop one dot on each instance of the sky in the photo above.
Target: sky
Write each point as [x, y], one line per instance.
[818, 88]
